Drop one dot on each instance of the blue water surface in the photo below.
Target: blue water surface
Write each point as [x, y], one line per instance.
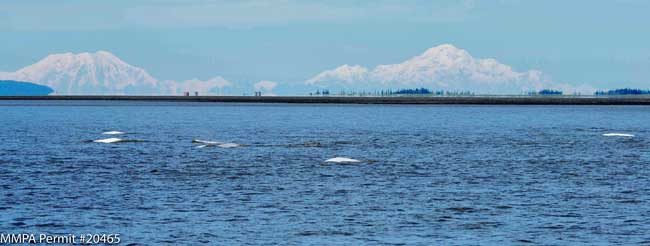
[445, 175]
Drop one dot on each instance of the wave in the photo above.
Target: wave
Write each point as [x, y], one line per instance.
[617, 135]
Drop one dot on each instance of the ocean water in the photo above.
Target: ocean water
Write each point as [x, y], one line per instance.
[446, 175]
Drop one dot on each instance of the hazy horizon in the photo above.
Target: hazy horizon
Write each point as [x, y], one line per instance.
[284, 46]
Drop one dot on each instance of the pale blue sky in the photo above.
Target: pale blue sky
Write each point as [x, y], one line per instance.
[602, 43]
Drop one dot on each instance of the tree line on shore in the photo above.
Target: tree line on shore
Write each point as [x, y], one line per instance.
[392, 92]
[624, 91]
[428, 92]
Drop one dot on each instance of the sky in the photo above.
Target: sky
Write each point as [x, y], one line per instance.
[605, 44]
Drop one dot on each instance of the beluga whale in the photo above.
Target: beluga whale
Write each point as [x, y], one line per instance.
[342, 160]
[206, 143]
[113, 133]
[108, 140]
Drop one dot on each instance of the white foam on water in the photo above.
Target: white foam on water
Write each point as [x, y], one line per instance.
[108, 140]
[618, 135]
[342, 160]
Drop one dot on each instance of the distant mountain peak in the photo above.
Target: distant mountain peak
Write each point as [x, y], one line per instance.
[443, 48]
[445, 52]
[441, 67]
[100, 72]
[103, 73]
[345, 73]
[99, 57]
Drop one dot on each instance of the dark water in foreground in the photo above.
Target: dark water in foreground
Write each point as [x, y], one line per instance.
[430, 174]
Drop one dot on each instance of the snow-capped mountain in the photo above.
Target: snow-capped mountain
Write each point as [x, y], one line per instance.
[441, 67]
[345, 73]
[102, 73]
[447, 63]
[87, 73]
[213, 86]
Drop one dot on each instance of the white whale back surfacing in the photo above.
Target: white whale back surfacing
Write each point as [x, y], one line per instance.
[228, 145]
[108, 140]
[342, 160]
[113, 133]
[205, 143]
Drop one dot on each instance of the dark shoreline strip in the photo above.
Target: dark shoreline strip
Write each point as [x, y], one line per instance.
[504, 100]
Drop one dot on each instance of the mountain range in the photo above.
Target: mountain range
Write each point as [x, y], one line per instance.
[441, 67]
[102, 73]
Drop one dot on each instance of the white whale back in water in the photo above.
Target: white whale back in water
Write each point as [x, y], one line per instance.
[228, 145]
[342, 160]
[113, 133]
[618, 135]
[108, 140]
[205, 143]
